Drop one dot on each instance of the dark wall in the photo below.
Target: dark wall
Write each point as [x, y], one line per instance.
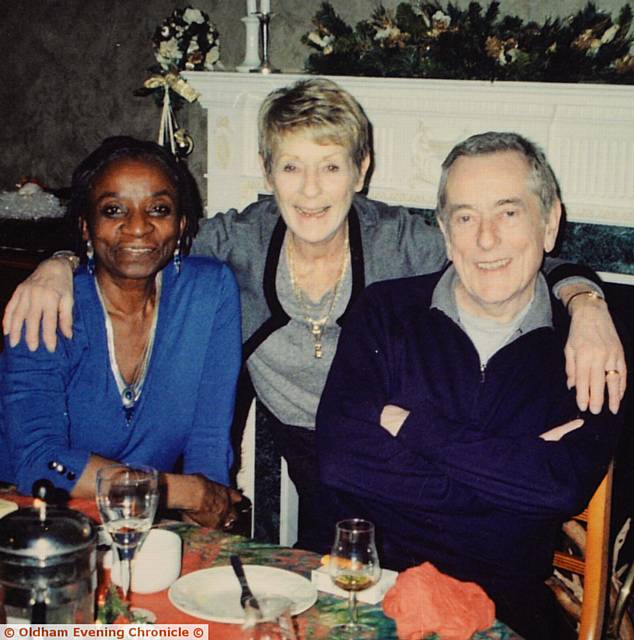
[73, 67]
[68, 71]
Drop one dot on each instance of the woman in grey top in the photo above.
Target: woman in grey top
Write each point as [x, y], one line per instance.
[302, 256]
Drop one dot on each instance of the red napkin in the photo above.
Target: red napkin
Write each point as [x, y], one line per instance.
[425, 601]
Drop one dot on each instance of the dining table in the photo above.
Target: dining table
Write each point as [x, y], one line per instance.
[205, 548]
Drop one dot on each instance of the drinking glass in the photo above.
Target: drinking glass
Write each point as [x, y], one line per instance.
[127, 498]
[354, 566]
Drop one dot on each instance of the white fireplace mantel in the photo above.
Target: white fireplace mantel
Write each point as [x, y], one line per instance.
[586, 130]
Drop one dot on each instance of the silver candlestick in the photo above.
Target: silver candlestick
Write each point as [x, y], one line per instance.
[265, 67]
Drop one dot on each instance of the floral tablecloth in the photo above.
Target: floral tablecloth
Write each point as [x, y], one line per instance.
[203, 548]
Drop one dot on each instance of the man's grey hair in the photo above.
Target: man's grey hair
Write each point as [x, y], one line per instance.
[542, 178]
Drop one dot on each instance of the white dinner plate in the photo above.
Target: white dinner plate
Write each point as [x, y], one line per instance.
[7, 507]
[214, 594]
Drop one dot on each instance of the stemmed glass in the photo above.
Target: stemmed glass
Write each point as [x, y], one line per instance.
[127, 498]
[354, 566]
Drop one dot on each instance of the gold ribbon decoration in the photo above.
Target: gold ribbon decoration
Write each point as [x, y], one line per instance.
[174, 82]
[168, 129]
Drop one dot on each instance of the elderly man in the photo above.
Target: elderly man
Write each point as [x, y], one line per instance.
[446, 418]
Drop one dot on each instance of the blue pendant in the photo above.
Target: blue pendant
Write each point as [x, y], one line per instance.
[128, 396]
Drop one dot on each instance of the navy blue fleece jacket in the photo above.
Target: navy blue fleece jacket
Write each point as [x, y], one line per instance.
[467, 483]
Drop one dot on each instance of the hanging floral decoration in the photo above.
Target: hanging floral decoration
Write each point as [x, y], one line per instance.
[185, 40]
[430, 40]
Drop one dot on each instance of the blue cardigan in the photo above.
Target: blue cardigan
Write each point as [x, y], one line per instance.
[61, 407]
[467, 484]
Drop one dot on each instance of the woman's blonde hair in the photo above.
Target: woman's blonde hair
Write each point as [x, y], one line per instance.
[318, 106]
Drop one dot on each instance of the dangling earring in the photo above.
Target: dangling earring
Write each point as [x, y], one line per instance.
[177, 257]
[90, 254]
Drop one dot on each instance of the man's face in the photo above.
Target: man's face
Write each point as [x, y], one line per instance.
[495, 233]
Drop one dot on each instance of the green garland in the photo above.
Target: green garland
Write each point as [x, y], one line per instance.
[426, 40]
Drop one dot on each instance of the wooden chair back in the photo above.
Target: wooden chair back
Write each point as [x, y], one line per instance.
[595, 566]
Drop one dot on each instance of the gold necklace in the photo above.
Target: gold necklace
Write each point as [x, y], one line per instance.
[316, 327]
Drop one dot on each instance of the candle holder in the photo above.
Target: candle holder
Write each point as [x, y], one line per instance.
[251, 60]
[265, 66]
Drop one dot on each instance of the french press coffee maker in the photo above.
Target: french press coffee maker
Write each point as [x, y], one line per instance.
[48, 564]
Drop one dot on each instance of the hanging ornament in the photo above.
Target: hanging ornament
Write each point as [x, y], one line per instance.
[179, 140]
[184, 142]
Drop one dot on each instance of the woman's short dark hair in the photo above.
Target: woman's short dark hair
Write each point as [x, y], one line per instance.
[117, 147]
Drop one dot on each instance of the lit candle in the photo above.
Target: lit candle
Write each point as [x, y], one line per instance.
[251, 7]
[265, 6]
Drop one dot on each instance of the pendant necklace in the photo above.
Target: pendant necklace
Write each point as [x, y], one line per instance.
[316, 326]
[131, 392]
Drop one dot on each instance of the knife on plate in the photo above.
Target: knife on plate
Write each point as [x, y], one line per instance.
[246, 594]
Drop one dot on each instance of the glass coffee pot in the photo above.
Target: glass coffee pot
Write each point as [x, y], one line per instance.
[48, 565]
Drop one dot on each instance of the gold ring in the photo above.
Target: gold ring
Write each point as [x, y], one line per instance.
[610, 372]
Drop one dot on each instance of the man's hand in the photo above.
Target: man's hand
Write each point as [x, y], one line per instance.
[217, 506]
[43, 297]
[393, 417]
[594, 356]
[557, 433]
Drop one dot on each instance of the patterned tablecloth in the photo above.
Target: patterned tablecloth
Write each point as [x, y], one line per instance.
[203, 548]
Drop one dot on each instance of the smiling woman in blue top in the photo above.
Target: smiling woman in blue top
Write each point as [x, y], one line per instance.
[150, 375]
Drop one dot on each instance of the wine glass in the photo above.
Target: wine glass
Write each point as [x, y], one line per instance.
[127, 498]
[353, 566]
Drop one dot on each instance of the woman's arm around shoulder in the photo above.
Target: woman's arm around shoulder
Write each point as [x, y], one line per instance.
[222, 233]
[402, 242]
